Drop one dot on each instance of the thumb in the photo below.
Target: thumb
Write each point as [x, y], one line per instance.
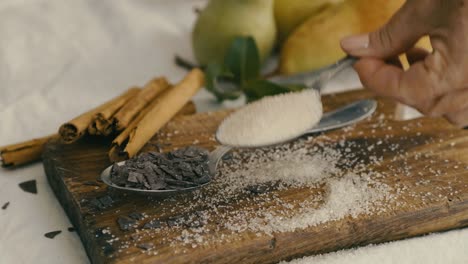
[400, 34]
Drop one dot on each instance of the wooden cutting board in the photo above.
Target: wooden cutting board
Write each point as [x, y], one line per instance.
[430, 162]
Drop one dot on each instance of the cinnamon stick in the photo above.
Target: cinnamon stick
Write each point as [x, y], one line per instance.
[166, 106]
[76, 128]
[188, 109]
[131, 109]
[24, 152]
[102, 121]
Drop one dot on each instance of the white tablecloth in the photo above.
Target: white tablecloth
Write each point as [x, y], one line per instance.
[59, 58]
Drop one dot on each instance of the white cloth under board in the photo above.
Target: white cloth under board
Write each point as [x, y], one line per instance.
[59, 58]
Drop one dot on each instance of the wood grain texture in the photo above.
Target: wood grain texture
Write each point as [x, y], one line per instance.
[429, 150]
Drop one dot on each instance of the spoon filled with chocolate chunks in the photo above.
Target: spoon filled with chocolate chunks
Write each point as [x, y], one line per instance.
[161, 174]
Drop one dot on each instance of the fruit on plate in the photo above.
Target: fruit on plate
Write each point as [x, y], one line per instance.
[316, 42]
[291, 13]
[222, 20]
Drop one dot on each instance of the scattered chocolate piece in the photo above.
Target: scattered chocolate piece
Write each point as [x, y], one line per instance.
[258, 189]
[96, 204]
[175, 221]
[194, 223]
[108, 249]
[5, 206]
[71, 229]
[29, 186]
[101, 202]
[183, 63]
[52, 234]
[136, 216]
[103, 233]
[153, 224]
[145, 246]
[106, 201]
[91, 183]
[126, 223]
[178, 169]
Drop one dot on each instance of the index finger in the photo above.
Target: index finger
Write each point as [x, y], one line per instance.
[413, 87]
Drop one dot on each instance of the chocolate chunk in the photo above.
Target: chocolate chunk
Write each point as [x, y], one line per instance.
[133, 177]
[91, 183]
[5, 206]
[126, 223]
[119, 174]
[194, 223]
[170, 171]
[71, 229]
[108, 249]
[200, 171]
[188, 174]
[29, 186]
[106, 201]
[103, 233]
[136, 216]
[159, 185]
[96, 204]
[174, 221]
[52, 234]
[152, 224]
[203, 179]
[257, 189]
[145, 246]
[178, 154]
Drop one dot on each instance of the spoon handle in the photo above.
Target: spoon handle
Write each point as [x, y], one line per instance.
[316, 79]
[215, 156]
[344, 116]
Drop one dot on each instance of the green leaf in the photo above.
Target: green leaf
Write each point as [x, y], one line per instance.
[221, 83]
[256, 89]
[243, 60]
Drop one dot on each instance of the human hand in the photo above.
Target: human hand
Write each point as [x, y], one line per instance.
[436, 83]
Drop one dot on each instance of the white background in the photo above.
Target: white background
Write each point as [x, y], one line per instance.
[59, 58]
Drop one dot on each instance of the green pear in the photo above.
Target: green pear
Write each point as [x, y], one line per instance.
[223, 20]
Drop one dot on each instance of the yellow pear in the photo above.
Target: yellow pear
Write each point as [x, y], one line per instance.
[291, 13]
[316, 42]
[223, 20]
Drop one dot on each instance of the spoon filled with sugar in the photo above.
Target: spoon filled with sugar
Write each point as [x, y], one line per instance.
[268, 132]
[281, 118]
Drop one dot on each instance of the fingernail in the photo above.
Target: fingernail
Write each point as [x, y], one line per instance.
[355, 44]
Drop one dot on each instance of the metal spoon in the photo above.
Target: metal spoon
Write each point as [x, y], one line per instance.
[341, 117]
[311, 80]
[316, 79]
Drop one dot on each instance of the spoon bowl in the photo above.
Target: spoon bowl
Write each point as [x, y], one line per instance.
[106, 178]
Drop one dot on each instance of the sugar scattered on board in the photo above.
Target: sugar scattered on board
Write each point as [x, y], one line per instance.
[272, 119]
[255, 189]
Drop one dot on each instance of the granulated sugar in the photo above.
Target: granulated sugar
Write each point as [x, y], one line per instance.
[236, 204]
[345, 177]
[293, 165]
[349, 195]
[272, 119]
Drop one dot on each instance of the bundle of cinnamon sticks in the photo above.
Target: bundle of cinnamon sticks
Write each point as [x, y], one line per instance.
[132, 119]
